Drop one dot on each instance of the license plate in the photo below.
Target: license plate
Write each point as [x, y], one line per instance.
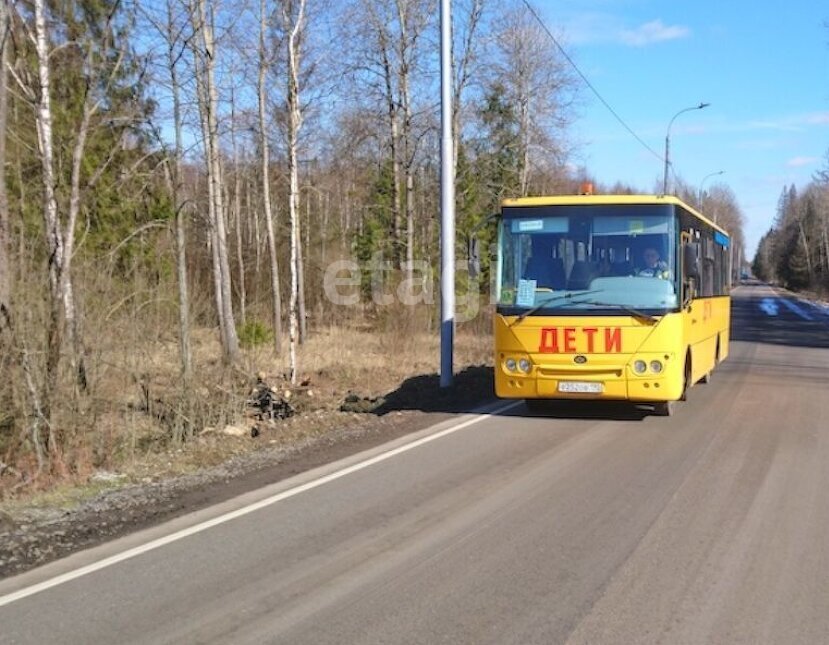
[580, 387]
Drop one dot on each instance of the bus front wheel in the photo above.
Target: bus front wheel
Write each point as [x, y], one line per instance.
[536, 406]
[664, 408]
[686, 377]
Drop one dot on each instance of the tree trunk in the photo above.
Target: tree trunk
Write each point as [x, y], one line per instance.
[294, 26]
[394, 135]
[253, 232]
[237, 208]
[54, 240]
[387, 65]
[201, 98]
[22, 205]
[826, 247]
[524, 142]
[67, 287]
[230, 341]
[462, 74]
[276, 297]
[7, 358]
[5, 231]
[300, 272]
[408, 152]
[185, 352]
[346, 210]
[805, 242]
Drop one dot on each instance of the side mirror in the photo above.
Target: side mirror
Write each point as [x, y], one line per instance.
[689, 291]
[474, 258]
[690, 260]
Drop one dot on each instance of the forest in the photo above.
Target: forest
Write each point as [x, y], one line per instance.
[795, 251]
[180, 176]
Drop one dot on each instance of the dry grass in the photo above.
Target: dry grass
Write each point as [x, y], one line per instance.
[373, 363]
[135, 414]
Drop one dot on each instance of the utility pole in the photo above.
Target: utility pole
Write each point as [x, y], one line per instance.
[447, 201]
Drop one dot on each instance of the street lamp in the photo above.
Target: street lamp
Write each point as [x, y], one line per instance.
[668, 143]
[702, 183]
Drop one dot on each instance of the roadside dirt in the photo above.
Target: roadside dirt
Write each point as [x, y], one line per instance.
[31, 535]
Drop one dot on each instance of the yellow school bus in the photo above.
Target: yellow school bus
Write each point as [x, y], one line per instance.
[608, 297]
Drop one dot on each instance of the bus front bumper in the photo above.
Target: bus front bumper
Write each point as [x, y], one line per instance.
[601, 381]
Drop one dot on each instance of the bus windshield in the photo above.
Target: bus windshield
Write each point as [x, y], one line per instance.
[612, 257]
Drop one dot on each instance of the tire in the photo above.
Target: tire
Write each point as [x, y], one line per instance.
[707, 378]
[664, 408]
[687, 382]
[536, 406]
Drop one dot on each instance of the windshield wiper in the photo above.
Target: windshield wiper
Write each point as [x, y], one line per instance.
[541, 305]
[633, 312]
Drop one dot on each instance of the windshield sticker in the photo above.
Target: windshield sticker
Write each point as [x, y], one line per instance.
[526, 293]
[637, 226]
[531, 225]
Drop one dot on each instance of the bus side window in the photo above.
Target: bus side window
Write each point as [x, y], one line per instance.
[707, 288]
[691, 270]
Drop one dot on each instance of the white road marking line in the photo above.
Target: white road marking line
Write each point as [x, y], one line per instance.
[800, 311]
[241, 512]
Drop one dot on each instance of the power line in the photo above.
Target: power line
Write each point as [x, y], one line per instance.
[588, 83]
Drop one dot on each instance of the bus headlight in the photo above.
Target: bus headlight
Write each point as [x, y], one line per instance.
[510, 364]
[524, 365]
[656, 367]
[640, 367]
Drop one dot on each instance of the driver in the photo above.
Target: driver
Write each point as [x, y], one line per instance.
[654, 266]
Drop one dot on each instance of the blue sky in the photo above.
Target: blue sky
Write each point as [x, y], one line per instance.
[763, 66]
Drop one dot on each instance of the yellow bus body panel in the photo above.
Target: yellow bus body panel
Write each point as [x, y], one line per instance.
[602, 350]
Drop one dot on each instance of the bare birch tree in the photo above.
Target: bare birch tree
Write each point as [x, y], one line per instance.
[412, 20]
[100, 49]
[375, 54]
[206, 53]
[264, 63]
[237, 207]
[293, 22]
[172, 30]
[464, 53]
[175, 49]
[54, 238]
[5, 231]
[529, 68]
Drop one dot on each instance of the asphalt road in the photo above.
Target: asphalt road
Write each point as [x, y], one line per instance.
[589, 525]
